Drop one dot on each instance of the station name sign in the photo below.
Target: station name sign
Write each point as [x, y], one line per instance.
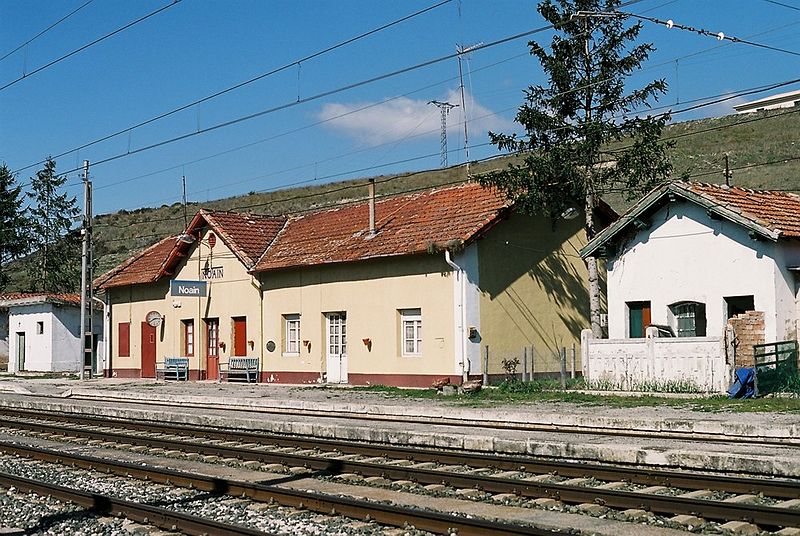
[196, 289]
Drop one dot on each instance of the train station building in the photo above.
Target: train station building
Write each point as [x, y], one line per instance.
[400, 290]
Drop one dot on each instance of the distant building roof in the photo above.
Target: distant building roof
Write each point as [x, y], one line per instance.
[404, 225]
[770, 214]
[32, 298]
[781, 100]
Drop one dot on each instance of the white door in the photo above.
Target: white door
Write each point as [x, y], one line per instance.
[337, 348]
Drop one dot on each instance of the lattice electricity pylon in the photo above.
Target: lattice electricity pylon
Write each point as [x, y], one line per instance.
[445, 108]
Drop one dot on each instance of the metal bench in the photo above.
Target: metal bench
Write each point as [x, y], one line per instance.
[239, 369]
[174, 368]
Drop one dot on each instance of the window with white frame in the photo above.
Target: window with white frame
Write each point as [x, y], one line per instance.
[411, 330]
[291, 334]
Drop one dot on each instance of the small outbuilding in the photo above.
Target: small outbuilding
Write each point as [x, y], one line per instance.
[713, 267]
[44, 332]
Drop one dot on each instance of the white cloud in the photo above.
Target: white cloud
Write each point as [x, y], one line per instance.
[399, 118]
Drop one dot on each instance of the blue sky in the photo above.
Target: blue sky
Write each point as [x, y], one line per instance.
[198, 47]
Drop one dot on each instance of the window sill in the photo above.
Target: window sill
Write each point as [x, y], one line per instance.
[410, 355]
[290, 354]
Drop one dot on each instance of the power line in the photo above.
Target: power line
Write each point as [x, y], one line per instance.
[722, 97]
[700, 31]
[87, 45]
[782, 4]
[56, 23]
[298, 102]
[241, 84]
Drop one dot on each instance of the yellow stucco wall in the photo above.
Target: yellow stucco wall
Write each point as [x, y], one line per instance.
[371, 293]
[235, 294]
[533, 290]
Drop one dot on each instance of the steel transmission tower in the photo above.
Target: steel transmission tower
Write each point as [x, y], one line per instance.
[445, 108]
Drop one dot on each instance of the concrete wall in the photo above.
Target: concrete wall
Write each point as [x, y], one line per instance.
[686, 256]
[371, 293]
[533, 288]
[235, 294]
[653, 363]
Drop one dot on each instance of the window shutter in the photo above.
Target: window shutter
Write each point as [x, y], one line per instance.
[124, 339]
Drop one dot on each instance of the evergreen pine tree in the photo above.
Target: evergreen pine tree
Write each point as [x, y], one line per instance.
[55, 262]
[13, 224]
[584, 134]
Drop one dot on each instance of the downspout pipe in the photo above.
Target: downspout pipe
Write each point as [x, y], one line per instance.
[462, 298]
[106, 333]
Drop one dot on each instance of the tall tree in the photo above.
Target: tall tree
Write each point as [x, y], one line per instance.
[584, 133]
[13, 223]
[53, 267]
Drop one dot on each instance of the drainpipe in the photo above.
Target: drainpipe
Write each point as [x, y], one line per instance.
[462, 298]
[106, 331]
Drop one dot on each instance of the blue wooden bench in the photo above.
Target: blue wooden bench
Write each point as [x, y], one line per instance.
[174, 368]
[239, 369]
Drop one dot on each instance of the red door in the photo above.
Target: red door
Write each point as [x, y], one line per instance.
[212, 348]
[148, 351]
[240, 336]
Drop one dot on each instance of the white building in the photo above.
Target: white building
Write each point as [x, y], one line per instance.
[693, 258]
[44, 332]
[773, 102]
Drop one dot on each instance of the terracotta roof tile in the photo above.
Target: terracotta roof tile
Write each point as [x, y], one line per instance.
[777, 211]
[144, 267]
[247, 235]
[74, 299]
[405, 224]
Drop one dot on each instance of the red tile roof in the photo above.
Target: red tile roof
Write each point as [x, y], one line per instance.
[144, 267]
[405, 224]
[247, 235]
[53, 297]
[777, 211]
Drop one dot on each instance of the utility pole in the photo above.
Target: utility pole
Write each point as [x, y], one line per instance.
[185, 216]
[445, 108]
[87, 316]
[461, 50]
[728, 172]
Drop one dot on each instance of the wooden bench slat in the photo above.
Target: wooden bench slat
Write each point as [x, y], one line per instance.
[246, 368]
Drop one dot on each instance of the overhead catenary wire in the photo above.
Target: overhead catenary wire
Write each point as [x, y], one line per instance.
[287, 105]
[87, 45]
[700, 31]
[715, 100]
[41, 33]
[244, 83]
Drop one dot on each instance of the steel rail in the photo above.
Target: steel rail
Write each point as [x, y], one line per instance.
[163, 518]
[716, 510]
[388, 514]
[497, 425]
[777, 488]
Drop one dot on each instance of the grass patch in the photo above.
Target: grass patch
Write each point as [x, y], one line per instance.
[547, 391]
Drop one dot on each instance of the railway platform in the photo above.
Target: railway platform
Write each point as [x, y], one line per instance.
[745, 443]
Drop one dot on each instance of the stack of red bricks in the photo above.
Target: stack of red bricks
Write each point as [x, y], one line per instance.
[749, 330]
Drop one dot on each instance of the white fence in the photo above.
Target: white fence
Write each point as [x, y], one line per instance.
[654, 364]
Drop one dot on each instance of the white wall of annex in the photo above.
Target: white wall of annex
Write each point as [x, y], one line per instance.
[38, 347]
[687, 256]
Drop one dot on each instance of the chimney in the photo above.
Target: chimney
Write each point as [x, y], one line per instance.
[372, 207]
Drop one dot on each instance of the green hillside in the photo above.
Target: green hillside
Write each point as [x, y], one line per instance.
[763, 149]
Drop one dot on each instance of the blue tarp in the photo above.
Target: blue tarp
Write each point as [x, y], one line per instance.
[744, 385]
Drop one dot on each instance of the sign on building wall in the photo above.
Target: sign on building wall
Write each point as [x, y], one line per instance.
[196, 289]
[212, 272]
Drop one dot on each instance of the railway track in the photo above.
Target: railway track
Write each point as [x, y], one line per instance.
[769, 503]
[387, 514]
